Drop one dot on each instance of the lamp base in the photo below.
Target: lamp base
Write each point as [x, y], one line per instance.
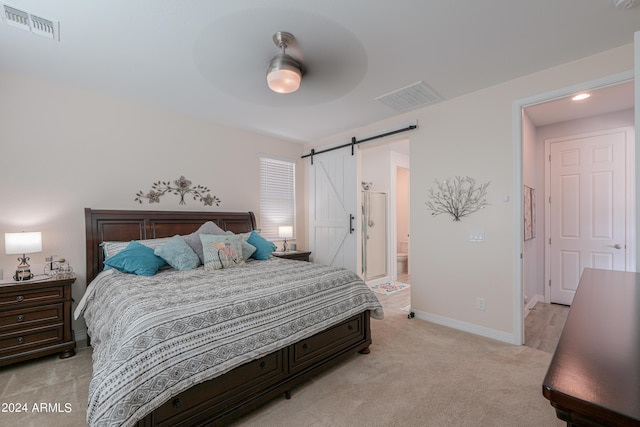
[23, 270]
[23, 274]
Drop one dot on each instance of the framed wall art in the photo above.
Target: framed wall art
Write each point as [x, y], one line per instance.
[529, 213]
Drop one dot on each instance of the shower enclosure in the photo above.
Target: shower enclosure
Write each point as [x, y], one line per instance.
[374, 235]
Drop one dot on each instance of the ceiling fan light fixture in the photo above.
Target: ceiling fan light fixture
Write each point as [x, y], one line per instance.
[284, 73]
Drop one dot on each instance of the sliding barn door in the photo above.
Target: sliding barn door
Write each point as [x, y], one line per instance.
[333, 208]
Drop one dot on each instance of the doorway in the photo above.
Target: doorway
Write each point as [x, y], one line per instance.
[379, 175]
[543, 118]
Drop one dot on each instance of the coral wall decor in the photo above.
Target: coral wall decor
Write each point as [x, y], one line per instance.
[457, 197]
[180, 187]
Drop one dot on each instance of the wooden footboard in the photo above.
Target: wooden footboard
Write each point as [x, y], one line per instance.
[218, 401]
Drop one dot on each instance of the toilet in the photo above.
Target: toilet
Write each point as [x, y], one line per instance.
[403, 257]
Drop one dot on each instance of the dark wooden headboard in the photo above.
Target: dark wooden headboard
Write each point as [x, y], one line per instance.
[123, 226]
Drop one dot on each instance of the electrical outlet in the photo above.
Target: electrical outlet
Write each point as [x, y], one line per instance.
[480, 304]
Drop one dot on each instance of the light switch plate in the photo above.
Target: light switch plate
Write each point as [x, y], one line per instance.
[475, 236]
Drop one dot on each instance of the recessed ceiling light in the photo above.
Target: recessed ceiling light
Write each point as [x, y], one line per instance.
[581, 96]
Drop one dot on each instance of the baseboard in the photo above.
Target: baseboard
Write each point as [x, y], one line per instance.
[532, 303]
[466, 327]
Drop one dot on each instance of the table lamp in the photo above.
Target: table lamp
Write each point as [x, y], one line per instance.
[286, 232]
[23, 243]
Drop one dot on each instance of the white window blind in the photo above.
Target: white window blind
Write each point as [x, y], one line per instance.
[277, 196]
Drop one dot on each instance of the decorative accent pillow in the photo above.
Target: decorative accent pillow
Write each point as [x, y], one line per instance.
[136, 258]
[178, 254]
[247, 249]
[222, 251]
[193, 239]
[113, 248]
[262, 245]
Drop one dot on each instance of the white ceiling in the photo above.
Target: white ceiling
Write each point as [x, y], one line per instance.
[208, 58]
[604, 100]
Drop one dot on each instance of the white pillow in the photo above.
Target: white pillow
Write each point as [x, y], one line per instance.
[222, 251]
[113, 248]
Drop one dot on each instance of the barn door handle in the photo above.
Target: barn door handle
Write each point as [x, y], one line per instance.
[351, 229]
[616, 246]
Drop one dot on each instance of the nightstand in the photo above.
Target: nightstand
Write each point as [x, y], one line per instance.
[35, 319]
[297, 255]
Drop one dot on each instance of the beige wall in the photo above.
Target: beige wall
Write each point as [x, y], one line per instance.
[64, 149]
[402, 206]
[473, 136]
[637, 120]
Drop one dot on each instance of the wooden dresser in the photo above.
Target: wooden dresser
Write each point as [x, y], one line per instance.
[35, 319]
[594, 376]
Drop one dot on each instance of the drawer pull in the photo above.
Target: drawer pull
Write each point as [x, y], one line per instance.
[177, 403]
[263, 365]
[19, 298]
[20, 340]
[21, 318]
[350, 327]
[305, 347]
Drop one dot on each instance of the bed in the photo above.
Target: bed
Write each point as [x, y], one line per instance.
[202, 348]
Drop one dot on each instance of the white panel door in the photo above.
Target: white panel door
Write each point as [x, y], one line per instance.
[333, 200]
[587, 208]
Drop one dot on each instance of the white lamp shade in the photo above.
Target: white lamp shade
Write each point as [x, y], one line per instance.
[285, 231]
[284, 80]
[22, 243]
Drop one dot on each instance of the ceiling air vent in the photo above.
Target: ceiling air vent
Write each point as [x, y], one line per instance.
[413, 96]
[35, 24]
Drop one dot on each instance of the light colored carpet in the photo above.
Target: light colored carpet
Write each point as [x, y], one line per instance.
[417, 374]
[48, 380]
[420, 374]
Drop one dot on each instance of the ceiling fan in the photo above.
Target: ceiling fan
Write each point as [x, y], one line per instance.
[284, 73]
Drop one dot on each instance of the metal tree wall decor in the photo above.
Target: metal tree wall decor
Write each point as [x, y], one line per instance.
[180, 187]
[457, 197]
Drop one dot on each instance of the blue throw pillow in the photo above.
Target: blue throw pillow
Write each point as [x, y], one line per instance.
[136, 258]
[262, 245]
[178, 254]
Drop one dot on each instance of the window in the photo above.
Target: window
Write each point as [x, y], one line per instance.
[277, 196]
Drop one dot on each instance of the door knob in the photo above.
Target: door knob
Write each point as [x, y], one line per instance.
[616, 246]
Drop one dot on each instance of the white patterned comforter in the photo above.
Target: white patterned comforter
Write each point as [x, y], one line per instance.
[154, 337]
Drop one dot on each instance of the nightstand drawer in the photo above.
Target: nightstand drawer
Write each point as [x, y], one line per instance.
[29, 317]
[17, 341]
[27, 296]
